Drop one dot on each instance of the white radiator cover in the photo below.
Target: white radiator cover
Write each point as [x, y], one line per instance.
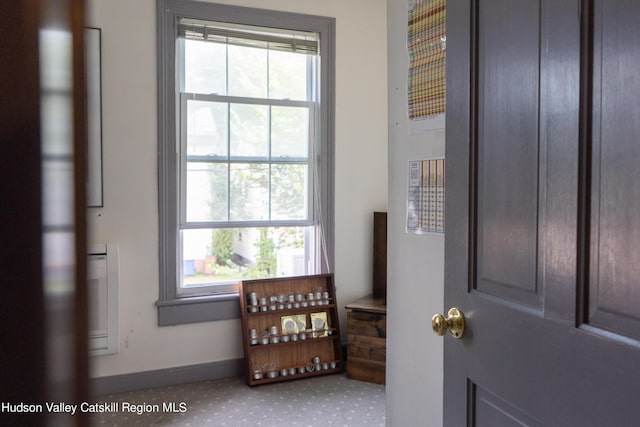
[102, 286]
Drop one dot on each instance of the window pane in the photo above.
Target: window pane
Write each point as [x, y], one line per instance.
[289, 132]
[57, 192]
[206, 128]
[287, 75]
[205, 66]
[207, 257]
[56, 115]
[225, 255]
[289, 191]
[249, 192]
[247, 71]
[206, 192]
[249, 130]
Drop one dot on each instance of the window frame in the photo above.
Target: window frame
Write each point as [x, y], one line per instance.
[173, 307]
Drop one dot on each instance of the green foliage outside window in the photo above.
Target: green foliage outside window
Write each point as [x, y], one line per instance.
[221, 245]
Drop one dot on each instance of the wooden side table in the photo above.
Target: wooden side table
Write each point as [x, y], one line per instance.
[367, 340]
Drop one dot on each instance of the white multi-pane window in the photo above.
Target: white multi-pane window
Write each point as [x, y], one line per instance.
[245, 187]
[247, 115]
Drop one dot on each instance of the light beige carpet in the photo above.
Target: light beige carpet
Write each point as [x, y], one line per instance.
[329, 400]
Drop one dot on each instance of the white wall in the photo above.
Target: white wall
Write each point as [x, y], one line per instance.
[130, 214]
[415, 262]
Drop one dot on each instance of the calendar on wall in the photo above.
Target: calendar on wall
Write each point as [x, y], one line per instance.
[426, 196]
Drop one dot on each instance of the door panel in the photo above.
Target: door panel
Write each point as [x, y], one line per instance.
[615, 256]
[508, 46]
[488, 410]
[541, 245]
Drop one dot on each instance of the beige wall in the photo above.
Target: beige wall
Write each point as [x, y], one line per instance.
[130, 215]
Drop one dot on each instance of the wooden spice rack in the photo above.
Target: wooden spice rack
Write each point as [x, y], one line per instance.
[271, 352]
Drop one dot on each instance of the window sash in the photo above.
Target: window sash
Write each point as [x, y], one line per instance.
[228, 159]
[184, 96]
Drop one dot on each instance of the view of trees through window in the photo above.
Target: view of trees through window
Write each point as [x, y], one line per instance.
[243, 253]
[247, 114]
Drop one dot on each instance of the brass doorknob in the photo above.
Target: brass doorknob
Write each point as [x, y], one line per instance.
[454, 323]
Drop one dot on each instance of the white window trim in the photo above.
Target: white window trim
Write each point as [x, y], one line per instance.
[173, 308]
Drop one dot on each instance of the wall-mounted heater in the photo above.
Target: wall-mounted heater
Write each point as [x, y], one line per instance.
[102, 283]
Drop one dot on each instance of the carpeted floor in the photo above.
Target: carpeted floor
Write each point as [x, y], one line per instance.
[329, 400]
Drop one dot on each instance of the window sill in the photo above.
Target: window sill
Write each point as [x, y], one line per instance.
[180, 311]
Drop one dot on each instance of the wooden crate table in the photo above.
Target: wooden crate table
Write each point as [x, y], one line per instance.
[366, 340]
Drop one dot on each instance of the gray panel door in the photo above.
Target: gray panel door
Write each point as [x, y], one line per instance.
[542, 249]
